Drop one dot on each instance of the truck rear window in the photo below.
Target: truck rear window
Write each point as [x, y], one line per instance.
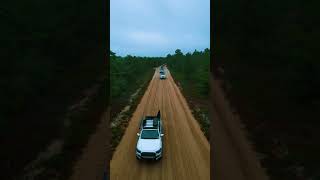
[149, 134]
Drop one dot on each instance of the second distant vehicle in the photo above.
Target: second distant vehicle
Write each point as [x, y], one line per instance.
[163, 75]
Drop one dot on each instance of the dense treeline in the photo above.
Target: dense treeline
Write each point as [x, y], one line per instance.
[51, 51]
[268, 52]
[192, 69]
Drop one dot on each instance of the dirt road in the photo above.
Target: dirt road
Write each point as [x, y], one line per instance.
[186, 150]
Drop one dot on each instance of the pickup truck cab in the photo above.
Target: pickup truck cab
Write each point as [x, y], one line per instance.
[149, 144]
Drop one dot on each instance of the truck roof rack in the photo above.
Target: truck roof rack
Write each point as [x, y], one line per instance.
[150, 123]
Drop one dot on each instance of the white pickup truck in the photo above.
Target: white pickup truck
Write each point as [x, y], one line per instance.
[149, 144]
[163, 75]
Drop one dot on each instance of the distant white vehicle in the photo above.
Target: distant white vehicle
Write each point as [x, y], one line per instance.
[149, 144]
[162, 73]
[163, 76]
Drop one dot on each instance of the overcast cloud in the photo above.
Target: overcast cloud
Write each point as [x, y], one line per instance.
[159, 27]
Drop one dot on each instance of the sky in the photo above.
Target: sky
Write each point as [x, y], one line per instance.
[159, 27]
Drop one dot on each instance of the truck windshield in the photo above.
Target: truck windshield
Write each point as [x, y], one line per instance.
[149, 134]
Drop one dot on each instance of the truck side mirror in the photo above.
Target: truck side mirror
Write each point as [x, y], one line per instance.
[161, 135]
[138, 134]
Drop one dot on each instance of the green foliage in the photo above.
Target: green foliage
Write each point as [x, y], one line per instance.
[178, 52]
[192, 71]
[127, 74]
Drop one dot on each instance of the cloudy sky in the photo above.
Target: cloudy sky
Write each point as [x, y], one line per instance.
[159, 27]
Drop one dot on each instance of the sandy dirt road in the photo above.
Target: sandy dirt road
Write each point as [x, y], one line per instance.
[186, 150]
